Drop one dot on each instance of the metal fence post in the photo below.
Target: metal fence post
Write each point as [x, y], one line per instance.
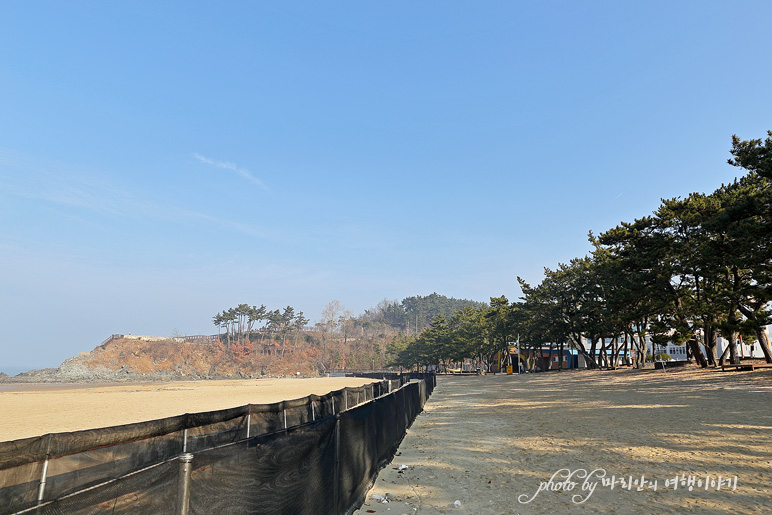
[183, 486]
[336, 467]
[42, 487]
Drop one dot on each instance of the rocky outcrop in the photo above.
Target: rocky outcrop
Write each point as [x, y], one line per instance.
[74, 370]
[44, 375]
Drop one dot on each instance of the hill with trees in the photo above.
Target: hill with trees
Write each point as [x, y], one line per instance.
[255, 341]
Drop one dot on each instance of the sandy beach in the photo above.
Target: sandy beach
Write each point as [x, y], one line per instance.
[36, 409]
[490, 442]
[493, 443]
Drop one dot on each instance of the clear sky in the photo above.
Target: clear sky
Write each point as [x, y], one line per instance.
[162, 161]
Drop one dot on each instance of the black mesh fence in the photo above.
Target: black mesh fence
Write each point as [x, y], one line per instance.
[284, 472]
[318, 454]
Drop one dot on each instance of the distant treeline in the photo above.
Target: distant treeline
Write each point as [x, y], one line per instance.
[414, 314]
[241, 321]
[339, 339]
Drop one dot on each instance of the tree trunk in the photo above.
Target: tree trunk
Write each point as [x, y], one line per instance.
[734, 358]
[723, 355]
[761, 334]
[626, 349]
[560, 357]
[643, 324]
[710, 341]
[640, 361]
[615, 352]
[697, 353]
[602, 356]
[596, 364]
[549, 357]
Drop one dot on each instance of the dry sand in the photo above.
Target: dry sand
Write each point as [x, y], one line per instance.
[489, 442]
[36, 409]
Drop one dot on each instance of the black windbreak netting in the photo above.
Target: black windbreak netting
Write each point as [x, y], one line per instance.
[401, 408]
[150, 491]
[62, 444]
[318, 454]
[358, 458]
[286, 472]
[390, 428]
[71, 473]
[82, 459]
[19, 485]
[212, 435]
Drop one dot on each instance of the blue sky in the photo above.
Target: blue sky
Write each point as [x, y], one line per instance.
[161, 161]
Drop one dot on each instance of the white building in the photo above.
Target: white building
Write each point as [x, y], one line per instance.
[743, 349]
[679, 353]
[676, 352]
